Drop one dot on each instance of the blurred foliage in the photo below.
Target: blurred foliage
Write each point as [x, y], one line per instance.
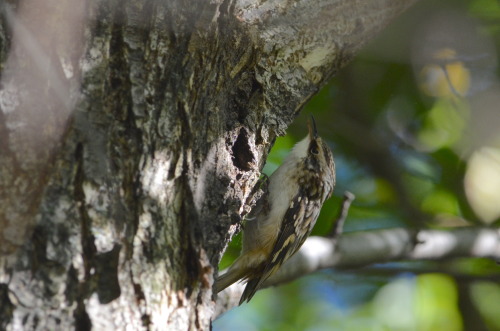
[414, 125]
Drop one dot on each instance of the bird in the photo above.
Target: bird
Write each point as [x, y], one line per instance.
[284, 215]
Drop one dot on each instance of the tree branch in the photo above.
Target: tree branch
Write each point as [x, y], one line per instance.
[358, 249]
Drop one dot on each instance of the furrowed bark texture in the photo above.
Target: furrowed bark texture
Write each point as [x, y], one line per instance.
[131, 135]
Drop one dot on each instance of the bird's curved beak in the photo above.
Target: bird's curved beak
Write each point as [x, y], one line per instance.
[313, 132]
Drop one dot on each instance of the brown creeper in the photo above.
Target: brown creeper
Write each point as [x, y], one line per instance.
[284, 216]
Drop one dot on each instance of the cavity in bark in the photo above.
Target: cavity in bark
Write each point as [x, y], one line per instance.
[242, 154]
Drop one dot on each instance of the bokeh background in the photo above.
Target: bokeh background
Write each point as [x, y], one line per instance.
[414, 124]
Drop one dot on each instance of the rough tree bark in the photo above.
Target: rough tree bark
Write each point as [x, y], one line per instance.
[131, 134]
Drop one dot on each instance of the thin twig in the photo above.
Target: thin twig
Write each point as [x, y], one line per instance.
[338, 226]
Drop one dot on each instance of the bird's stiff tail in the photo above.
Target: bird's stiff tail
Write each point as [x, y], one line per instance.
[228, 278]
[250, 289]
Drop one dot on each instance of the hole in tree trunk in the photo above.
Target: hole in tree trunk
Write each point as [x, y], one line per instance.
[242, 154]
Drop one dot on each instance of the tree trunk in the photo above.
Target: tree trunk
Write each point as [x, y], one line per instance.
[131, 135]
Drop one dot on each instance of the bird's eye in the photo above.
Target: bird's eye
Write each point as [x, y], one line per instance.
[314, 149]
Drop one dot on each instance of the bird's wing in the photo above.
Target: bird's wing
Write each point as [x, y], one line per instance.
[297, 223]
